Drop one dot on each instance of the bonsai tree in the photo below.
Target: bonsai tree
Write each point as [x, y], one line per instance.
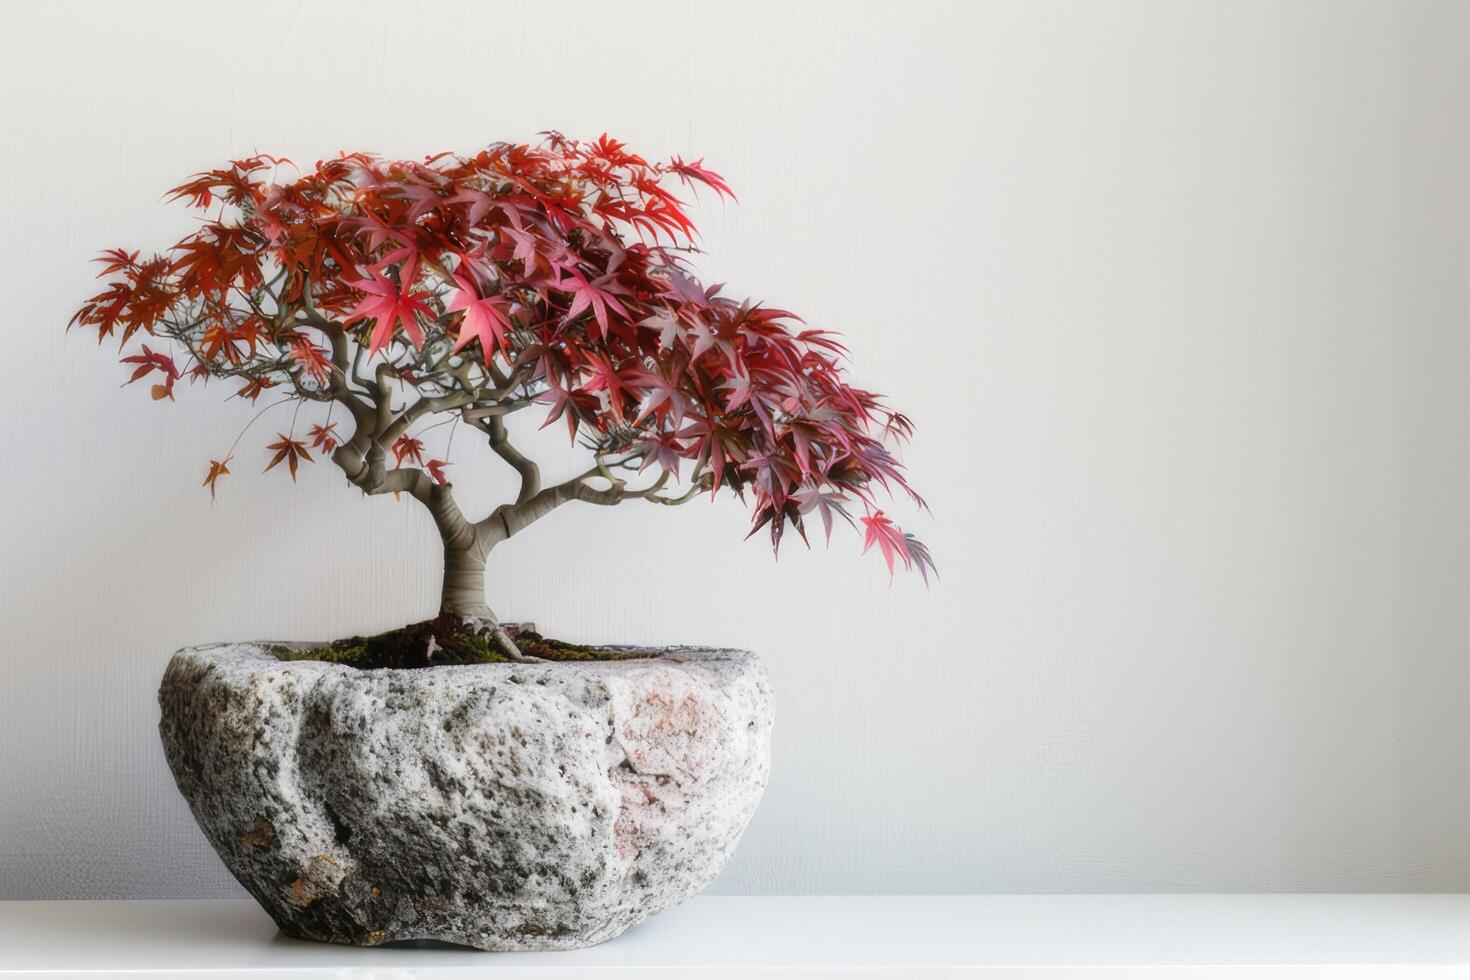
[385, 297]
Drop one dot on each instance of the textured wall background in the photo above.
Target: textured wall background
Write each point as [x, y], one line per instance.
[1176, 293]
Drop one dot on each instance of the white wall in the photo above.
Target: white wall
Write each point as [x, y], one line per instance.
[1176, 293]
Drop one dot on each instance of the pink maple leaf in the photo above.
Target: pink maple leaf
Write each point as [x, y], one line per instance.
[390, 305]
[887, 536]
[597, 295]
[484, 318]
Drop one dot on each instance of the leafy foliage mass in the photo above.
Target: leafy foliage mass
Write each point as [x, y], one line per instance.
[471, 287]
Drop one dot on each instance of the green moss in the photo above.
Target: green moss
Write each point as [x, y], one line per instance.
[442, 641]
[536, 645]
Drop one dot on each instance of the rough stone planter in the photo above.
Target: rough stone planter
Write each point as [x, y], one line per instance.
[502, 806]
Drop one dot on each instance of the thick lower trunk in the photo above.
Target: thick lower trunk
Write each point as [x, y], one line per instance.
[463, 595]
[464, 585]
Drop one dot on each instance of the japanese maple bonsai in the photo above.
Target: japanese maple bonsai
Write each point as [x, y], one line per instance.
[380, 299]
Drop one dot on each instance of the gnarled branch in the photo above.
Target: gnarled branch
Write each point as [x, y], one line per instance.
[529, 472]
[510, 519]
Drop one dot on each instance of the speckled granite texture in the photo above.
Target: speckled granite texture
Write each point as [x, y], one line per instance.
[501, 806]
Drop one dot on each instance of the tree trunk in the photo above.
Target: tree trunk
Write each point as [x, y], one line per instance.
[464, 584]
[464, 596]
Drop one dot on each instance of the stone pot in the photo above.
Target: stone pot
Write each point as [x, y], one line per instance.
[500, 806]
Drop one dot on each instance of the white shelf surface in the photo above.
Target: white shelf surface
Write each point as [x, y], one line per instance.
[990, 936]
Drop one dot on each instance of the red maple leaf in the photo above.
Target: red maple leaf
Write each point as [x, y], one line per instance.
[313, 359]
[406, 448]
[217, 469]
[150, 360]
[605, 377]
[689, 172]
[323, 437]
[436, 471]
[217, 339]
[290, 450]
[527, 250]
[254, 388]
[598, 295]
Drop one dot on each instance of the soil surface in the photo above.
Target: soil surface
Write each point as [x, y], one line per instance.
[446, 640]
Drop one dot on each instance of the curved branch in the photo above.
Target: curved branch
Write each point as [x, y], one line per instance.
[697, 488]
[356, 372]
[468, 397]
[372, 477]
[529, 472]
[498, 410]
[383, 396]
[337, 337]
[426, 405]
[510, 519]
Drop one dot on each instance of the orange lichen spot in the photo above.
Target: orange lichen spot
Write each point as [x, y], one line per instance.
[317, 880]
[303, 897]
[262, 834]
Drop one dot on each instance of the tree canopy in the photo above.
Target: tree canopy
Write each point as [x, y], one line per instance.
[552, 276]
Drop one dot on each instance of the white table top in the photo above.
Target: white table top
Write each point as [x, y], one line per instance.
[993, 936]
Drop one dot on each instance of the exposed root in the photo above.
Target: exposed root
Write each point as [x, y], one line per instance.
[508, 645]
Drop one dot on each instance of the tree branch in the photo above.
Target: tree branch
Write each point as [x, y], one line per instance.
[529, 472]
[508, 520]
[383, 396]
[427, 405]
